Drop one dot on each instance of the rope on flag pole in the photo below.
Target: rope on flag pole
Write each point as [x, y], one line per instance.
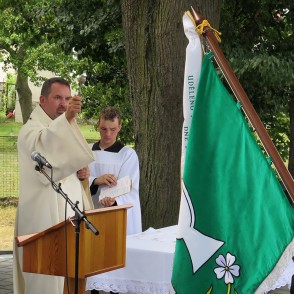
[205, 24]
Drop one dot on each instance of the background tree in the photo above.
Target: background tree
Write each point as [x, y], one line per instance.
[258, 41]
[155, 48]
[94, 30]
[26, 32]
[257, 38]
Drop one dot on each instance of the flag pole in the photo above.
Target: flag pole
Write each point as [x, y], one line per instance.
[247, 106]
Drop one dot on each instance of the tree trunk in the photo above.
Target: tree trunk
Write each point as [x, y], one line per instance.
[155, 48]
[291, 115]
[210, 10]
[24, 95]
[291, 144]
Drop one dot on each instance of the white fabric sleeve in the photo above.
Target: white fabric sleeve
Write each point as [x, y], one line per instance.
[130, 167]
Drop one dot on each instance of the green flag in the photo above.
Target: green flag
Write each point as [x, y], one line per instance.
[236, 224]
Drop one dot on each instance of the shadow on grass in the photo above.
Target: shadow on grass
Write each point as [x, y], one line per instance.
[8, 201]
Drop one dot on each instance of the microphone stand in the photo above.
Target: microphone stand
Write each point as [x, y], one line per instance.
[79, 217]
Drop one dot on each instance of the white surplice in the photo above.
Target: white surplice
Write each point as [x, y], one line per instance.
[121, 162]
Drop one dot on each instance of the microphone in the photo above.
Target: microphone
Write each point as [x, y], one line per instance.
[36, 156]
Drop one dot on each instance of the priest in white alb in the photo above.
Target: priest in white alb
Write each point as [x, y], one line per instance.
[53, 132]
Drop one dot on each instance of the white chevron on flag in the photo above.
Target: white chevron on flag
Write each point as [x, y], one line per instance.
[200, 246]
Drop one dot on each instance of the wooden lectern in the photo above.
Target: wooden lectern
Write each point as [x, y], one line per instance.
[45, 252]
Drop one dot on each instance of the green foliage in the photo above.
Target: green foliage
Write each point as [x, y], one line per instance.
[8, 95]
[27, 32]
[258, 41]
[94, 30]
[11, 92]
[67, 38]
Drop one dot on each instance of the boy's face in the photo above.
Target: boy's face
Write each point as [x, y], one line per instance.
[108, 130]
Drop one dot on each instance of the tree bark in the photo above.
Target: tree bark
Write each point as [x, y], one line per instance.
[291, 115]
[210, 10]
[155, 49]
[24, 95]
[291, 144]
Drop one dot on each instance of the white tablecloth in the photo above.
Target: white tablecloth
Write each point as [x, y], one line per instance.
[148, 270]
[149, 260]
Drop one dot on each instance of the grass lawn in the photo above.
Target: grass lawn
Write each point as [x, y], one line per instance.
[89, 132]
[9, 128]
[7, 215]
[8, 204]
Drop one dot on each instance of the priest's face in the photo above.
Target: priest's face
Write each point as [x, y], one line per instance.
[108, 130]
[57, 101]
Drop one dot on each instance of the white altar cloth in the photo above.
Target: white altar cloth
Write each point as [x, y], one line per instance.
[149, 260]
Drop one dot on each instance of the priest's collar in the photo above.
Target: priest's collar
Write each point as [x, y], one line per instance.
[116, 147]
